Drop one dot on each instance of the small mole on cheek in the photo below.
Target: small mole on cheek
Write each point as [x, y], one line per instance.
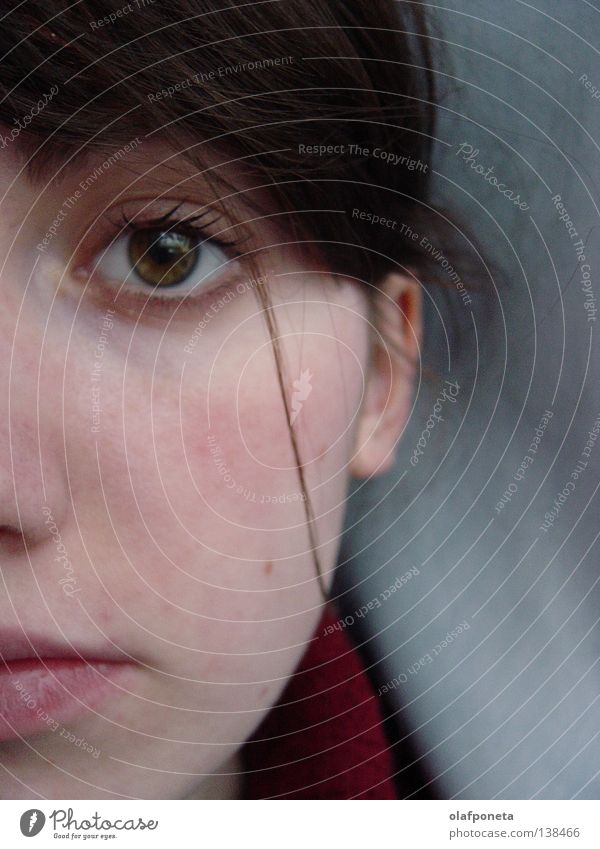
[268, 568]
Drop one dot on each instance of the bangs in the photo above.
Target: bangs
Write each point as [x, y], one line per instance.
[89, 74]
[109, 62]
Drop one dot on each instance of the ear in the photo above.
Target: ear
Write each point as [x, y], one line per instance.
[395, 346]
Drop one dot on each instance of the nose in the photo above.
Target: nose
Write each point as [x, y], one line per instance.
[28, 487]
[31, 478]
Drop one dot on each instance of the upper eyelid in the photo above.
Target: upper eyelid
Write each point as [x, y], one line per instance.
[168, 218]
[168, 222]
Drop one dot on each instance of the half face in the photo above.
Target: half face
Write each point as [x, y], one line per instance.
[158, 583]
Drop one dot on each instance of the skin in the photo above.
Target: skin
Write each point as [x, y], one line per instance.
[208, 590]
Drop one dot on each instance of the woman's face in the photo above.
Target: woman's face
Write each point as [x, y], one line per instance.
[154, 544]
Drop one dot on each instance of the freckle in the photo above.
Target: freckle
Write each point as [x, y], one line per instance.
[104, 615]
[268, 568]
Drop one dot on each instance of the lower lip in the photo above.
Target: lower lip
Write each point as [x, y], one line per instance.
[40, 695]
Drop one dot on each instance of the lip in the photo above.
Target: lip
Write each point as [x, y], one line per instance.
[44, 684]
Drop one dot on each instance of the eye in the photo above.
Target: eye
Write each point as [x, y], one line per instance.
[161, 258]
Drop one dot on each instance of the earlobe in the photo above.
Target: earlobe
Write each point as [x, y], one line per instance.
[390, 373]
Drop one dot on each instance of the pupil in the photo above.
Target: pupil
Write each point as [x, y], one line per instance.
[167, 248]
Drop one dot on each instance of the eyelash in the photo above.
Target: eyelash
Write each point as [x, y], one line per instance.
[168, 222]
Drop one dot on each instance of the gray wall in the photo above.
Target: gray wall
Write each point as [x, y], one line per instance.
[509, 707]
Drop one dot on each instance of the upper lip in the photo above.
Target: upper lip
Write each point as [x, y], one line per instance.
[18, 645]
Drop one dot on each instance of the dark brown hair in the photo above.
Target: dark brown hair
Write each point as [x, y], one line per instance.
[266, 77]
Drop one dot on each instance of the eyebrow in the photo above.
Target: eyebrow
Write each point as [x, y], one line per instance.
[49, 161]
[44, 159]
[41, 157]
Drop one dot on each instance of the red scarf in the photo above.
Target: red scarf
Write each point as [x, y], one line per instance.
[323, 739]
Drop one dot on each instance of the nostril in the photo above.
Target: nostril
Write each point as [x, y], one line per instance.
[11, 540]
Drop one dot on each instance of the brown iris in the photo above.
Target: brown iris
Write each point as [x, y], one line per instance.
[163, 258]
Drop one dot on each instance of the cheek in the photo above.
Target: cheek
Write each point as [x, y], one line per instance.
[197, 471]
[245, 437]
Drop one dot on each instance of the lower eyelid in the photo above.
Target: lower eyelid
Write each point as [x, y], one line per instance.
[188, 301]
[136, 302]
